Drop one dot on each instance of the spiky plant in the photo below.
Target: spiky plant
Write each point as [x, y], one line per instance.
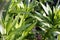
[48, 21]
[21, 17]
[15, 19]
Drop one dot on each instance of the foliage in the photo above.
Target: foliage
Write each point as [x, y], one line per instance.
[21, 17]
[48, 21]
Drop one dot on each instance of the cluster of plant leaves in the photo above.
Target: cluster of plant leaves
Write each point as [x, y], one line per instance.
[22, 19]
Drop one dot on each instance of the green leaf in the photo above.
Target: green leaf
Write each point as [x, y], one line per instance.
[17, 31]
[11, 23]
[26, 31]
